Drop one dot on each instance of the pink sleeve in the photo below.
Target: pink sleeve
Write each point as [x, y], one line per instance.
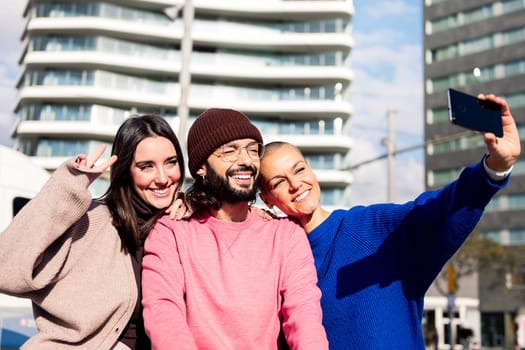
[163, 292]
[302, 315]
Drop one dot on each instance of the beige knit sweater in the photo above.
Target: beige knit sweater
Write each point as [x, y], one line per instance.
[62, 252]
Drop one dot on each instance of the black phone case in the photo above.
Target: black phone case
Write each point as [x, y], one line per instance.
[470, 112]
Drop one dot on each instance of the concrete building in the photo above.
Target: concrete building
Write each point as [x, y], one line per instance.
[478, 46]
[87, 65]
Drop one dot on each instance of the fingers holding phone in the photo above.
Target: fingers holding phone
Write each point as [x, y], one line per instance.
[471, 112]
[490, 115]
[504, 150]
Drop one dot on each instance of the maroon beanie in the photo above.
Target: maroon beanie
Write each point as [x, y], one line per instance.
[213, 128]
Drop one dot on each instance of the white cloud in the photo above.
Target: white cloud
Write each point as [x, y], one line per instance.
[410, 177]
[369, 185]
[379, 38]
[389, 79]
[371, 180]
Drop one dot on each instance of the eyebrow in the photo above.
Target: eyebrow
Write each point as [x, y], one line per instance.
[293, 167]
[147, 161]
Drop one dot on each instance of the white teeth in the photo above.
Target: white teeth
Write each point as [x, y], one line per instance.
[242, 177]
[160, 192]
[301, 196]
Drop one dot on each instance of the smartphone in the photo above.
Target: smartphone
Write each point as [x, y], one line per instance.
[470, 112]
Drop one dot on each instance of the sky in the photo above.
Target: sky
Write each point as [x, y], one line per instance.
[11, 27]
[388, 75]
[387, 61]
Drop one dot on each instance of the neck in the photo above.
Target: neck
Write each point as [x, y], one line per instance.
[315, 219]
[234, 212]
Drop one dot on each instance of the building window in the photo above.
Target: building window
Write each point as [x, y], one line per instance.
[493, 235]
[477, 14]
[471, 141]
[511, 5]
[513, 36]
[474, 15]
[332, 196]
[106, 10]
[516, 100]
[68, 148]
[514, 68]
[492, 329]
[325, 161]
[513, 201]
[433, 2]
[51, 77]
[516, 201]
[438, 178]
[519, 167]
[437, 115]
[297, 127]
[478, 44]
[517, 236]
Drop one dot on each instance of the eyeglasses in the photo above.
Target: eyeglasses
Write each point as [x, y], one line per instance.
[232, 152]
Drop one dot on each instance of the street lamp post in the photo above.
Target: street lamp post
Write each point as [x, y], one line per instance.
[185, 73]
[390, 144]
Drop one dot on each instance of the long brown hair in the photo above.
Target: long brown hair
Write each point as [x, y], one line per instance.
[132, 217]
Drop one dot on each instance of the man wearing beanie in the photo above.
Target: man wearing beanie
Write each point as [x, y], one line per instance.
[228, 278]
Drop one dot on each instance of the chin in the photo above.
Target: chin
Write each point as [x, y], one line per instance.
[309, 208]
[160, 204]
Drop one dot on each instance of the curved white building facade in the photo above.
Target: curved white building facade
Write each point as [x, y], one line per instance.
[87, 65]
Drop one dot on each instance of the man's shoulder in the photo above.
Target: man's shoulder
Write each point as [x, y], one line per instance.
[279, 223]
[169, 222]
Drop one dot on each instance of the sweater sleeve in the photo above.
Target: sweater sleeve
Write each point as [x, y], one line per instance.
[34, 246]
[301, 310]
[163, 292]
[442, 220]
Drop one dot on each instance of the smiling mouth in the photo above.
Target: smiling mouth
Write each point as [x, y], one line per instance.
[242, 177]
[301, 196]
[161, 192]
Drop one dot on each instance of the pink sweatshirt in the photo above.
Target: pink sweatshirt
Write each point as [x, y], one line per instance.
[211, 284]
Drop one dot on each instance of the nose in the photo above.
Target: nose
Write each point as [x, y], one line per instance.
[295, 184]
[244, 157]
[161, 176]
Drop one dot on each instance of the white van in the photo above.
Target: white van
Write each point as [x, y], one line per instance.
[20, 180]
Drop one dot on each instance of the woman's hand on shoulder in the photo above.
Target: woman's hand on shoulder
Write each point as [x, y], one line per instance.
[264, 213]
[179, 209]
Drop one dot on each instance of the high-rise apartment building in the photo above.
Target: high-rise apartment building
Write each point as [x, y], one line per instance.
[478, 46]
[87, 65]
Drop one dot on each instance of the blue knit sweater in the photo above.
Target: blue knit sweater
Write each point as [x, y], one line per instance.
[375, 263]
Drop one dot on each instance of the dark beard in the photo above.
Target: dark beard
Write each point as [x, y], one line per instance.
[220, 188]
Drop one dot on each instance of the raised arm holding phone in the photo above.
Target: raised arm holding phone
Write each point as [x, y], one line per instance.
[375, 263]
